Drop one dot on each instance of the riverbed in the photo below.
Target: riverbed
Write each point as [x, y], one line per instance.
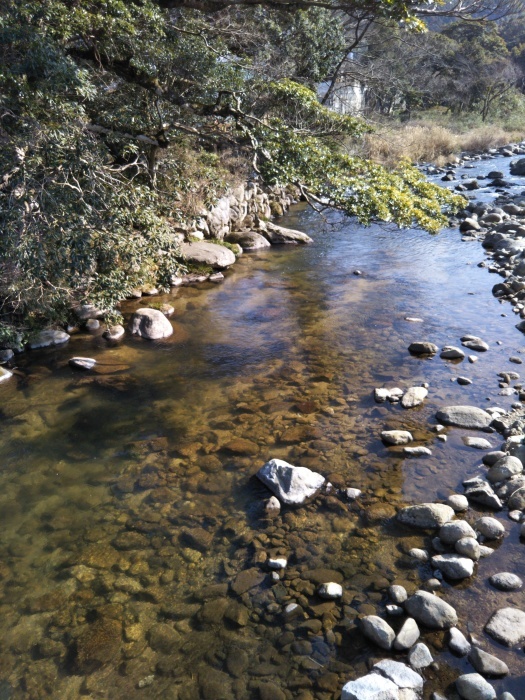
[134, 542]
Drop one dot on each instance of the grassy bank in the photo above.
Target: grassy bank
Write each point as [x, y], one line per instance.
[427, 141]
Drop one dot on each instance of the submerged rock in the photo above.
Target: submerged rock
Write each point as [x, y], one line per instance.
[292, 485]
[464, 417]
[487, 664]
[506, 581]
[426, 515]
[84, 363]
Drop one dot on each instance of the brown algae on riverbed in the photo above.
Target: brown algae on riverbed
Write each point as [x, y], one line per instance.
[135, 544]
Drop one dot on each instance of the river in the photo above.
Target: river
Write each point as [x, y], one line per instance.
[128, 499]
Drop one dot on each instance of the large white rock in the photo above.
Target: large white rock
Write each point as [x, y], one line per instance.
[469, 417]
[278, 234]
[370, 687]
[400, 674]
[292, 485]
[206, 253]
[507, 626]
[453, 565]
[248, 240]
[150, 324]
[47, 339]
[431, 611]
[426, 515]
[414, 396]
[472, 686]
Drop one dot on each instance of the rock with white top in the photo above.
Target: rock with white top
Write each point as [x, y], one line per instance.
[418, 451]
[84, 363]
[469, 417]
[426, 515]
[370, 687]
[278, 563]
[381, 395]
[292, 485]
[414, 396]
[472, 686]
[450, 352]
[377, 630]
[458, 643]
[507, 626]
[330, 590]
[396, 437]
[429, 610]
[207, 253]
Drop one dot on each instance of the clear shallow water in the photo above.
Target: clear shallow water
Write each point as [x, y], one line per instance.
[127, 497]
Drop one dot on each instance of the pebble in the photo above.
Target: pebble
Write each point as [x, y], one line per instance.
[472, 359]
[522, 530]
[458, 643]
[352, 494]
[485, 551]
[394, 610]
[515, 515]
[419, 656]
[422, 348]
[381, 395]
[397, 594]
[506, 581]
[413, 319]
[453, 566]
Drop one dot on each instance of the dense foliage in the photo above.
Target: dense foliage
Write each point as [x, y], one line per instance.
[114, 113]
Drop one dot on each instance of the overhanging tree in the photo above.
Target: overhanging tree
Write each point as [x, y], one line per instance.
[100, 99]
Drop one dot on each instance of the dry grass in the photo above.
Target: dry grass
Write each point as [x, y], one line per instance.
[420, 142]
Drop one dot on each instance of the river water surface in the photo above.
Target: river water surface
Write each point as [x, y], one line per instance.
[134, 540]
